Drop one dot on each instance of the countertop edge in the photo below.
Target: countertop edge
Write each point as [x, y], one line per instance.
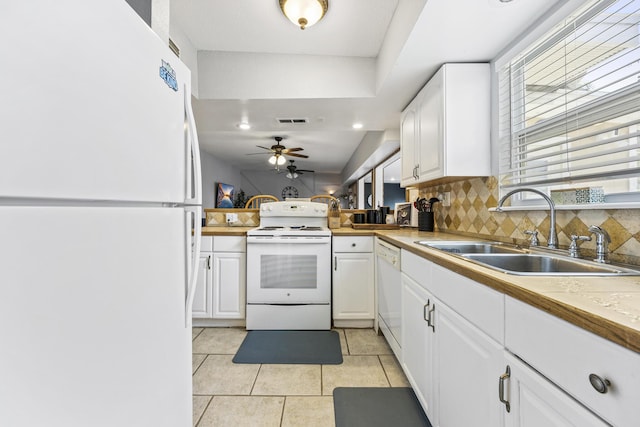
[606, 328]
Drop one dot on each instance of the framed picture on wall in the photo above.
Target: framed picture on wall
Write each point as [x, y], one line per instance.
[225, 195]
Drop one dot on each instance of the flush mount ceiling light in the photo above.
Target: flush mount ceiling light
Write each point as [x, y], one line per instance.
[304, 13]
[244, 126]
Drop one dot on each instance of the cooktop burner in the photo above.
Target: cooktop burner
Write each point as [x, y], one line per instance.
[274, 227]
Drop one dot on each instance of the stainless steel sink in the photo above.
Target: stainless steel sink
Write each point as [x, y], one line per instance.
[527, 264]
[471, 247]
[514, 260]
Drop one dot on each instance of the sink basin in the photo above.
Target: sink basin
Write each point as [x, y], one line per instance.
[545, 265]
[471, 247]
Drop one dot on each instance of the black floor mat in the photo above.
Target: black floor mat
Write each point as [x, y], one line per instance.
[378, 407]
[290, 347]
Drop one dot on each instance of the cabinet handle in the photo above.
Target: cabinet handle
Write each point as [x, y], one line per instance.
[430, 322]
[353, 245]
[209, 262]
[424, 312]
[503, 377]
[335, 263]
[601, 385]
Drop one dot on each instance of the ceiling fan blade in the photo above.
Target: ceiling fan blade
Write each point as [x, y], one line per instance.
[288, 150]
[298, 155]
[260, 146]
[305, 170]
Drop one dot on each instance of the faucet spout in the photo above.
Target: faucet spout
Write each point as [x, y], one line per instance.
[552, 241]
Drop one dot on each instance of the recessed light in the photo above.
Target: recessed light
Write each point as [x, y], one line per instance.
[357, 126]
[244, 126]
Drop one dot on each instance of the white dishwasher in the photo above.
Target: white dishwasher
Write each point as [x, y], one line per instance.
[389, 292]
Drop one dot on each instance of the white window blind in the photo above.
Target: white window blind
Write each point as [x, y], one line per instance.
[569, 106]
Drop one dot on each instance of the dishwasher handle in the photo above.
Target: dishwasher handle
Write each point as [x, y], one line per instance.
[390, 254]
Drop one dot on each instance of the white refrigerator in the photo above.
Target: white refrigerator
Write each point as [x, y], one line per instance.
[99, 193]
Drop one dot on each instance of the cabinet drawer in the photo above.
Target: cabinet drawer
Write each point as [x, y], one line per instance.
[206, 244]
[229, 244]
[353, 244]
[480, 305]
[567, 355]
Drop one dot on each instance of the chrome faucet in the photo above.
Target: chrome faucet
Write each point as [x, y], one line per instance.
[602, 243]
[552, 241]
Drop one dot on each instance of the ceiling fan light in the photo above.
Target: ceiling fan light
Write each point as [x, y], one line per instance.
[273, 160]
[304, 13]
[281, 160]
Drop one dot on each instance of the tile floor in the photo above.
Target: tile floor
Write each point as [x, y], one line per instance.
[228, 394]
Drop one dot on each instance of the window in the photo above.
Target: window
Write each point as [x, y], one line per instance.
[569, 106]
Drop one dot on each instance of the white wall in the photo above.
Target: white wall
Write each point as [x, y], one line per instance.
[213, 172]
[233, 75]
[188, 55]
[374, 148]
[307, 184]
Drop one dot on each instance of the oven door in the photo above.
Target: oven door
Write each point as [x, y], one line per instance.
[288, 270]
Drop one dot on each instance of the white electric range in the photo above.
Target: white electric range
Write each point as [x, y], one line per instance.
[289, 267]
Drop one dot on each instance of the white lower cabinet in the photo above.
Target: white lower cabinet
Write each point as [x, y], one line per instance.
[221, 287]
[202, 301]
[452, 365]
[229, 288]
[534, 401]
[603, 376]
[418, 339]
[353, 283]
[468, 364]
[477, 357]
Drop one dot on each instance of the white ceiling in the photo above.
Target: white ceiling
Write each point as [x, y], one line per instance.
[363, 62]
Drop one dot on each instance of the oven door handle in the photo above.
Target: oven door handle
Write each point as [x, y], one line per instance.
[295, 240]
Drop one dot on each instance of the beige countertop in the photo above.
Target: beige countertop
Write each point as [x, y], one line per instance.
[225, 231]
[606, 306]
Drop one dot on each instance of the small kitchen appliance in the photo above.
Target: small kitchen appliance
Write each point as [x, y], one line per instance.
[289, 267]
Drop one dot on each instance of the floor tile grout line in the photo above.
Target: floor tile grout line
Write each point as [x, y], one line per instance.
[255, 380]
[205, 410]
[284, 404]
[384, 370]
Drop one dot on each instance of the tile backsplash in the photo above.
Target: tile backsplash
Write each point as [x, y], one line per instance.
[469, 215]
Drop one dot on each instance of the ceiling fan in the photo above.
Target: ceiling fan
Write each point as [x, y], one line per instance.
[279, 150]
[294, 171]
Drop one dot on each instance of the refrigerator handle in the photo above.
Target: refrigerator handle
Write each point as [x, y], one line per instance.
[192, 276]
[194, 194]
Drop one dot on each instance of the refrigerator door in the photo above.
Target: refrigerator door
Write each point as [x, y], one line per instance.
[92, 317]
[95, 105]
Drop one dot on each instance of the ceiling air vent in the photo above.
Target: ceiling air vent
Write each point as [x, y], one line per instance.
[292, 121]
[174, 48]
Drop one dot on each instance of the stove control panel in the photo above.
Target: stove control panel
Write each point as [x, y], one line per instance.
[293, 209]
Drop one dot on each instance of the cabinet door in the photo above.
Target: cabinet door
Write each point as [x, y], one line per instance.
[417, 343]
[408, 141]
[431, 142]
[535, 402]
[353, 286]
[229, 285]
[468, 365]
[202, 300]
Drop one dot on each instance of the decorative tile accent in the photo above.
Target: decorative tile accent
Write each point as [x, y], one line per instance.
[246, 217]
[469, 215]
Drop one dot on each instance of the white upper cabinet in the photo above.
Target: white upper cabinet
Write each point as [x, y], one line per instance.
[445, 131]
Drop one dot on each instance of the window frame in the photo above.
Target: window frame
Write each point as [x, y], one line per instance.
[528, 42]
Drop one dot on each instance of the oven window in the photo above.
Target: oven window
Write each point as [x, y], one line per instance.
[288, 271]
